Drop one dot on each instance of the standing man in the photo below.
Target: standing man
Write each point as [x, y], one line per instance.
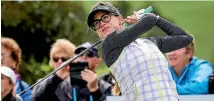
[59, 86]
[96, 89]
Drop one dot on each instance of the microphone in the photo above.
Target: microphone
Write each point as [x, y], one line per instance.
[140, 13]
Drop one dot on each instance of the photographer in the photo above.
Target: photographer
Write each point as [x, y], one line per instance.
[59, 88]
[94, 86]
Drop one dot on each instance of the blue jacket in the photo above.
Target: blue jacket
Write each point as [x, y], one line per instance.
[194, 78]
[21, 86]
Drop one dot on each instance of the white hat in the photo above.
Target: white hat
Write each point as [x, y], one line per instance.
[9, 73]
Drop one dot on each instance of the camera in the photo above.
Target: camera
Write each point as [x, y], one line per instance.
[75, 73]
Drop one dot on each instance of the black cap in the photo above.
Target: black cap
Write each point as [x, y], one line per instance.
[86, 45]
[106, 6]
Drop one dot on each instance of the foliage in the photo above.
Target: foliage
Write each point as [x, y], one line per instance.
[35, 25]
[47, 21]
[34, 70]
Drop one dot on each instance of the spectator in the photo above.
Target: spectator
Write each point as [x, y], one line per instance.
[137, 64]
[11, 57]
[96, 88]
[61, 51]
[190, 74]
[8, 80]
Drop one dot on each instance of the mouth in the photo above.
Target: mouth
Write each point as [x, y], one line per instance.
[58, 64]
[104, 29]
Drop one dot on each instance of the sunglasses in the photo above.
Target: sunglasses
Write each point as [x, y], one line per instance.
[88, 54]
[56, 59]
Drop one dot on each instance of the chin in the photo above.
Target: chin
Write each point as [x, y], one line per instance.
[108, 33]
[104, 35]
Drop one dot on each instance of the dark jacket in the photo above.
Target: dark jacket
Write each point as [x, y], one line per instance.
[45, 90]
[55, 89]
[9, 97]
[64, 91]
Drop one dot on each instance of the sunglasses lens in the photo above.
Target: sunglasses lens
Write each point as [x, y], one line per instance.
[89, 54]
[63, 59]
[55, 59]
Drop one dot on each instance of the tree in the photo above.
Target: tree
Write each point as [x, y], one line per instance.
[35, 25]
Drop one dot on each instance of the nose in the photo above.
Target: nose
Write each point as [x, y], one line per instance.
[84, 57]
[59, 61]
[102, 24]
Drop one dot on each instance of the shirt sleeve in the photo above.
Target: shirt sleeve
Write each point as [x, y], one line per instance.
[176, 37]
[27, 95]
[96, 95]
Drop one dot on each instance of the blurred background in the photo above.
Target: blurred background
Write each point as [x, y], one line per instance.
[35, 25]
